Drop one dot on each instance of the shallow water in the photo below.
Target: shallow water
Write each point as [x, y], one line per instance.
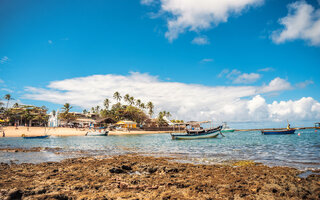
[302, 152]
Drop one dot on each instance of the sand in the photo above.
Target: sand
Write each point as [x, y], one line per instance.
[140, 177]
[11, 131]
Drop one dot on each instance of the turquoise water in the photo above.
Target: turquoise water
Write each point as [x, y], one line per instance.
[302, 151]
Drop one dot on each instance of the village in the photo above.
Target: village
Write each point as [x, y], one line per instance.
[132, 116]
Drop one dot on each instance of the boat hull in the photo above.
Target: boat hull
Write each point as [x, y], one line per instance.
[213, 134]
[281, 132]
[227, 131]
[96, 133]
[37, 137]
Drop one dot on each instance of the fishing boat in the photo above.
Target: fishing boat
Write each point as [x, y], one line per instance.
[198, 134]
[317, 125]
[101, 131]
[278, 132]
[36, 137]
[226, 128]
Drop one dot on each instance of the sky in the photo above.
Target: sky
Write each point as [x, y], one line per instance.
[248, 62]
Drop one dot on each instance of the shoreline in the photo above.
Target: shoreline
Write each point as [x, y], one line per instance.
[11, 131]
[134, 176]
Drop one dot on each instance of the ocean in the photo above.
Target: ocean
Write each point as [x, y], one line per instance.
[301, 150]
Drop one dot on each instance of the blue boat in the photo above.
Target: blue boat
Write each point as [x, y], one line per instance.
[279, 132]
[36, 137]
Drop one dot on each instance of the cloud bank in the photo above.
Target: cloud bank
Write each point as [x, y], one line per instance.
[302, 22]
[185, 101]
[199, 15]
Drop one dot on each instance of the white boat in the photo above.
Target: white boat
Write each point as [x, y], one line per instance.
[198, 134]
[97, 132]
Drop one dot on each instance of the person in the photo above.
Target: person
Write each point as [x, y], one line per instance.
[3, 134]
[288, 127]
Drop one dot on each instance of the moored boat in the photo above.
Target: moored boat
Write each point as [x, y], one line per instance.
[226, 128]
[198, 134]
[36, 137]
[278, 132]
[97, 132]
[317, 125]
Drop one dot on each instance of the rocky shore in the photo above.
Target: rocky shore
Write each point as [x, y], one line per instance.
[140, 177]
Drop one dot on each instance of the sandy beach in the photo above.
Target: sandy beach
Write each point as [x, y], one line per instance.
[140, 177]
[11, 131]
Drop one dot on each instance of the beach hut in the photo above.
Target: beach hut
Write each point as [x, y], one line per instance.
[127, 124]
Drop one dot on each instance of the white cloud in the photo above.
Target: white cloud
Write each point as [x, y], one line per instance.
[200, 15]
[1, 81]
[247, 78]
[4, 59]
[277, 84]
[50, 41]
[147, 2]
[302, 22]
[237, 77]
[201, 40]
[206, 60]
[7, 90]
[304, 84]
[267, 69]
[185, 101]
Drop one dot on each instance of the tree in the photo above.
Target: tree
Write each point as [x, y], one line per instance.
[142, 106]
[66, 108]
[84, 111]
[66, 115]
[106, 103]
[8, 98]
[131, 101]
[117, 96]
[150, 106]
[16, 105]
[138, 103]
[160, 120]
[127, 98]
[97, 109]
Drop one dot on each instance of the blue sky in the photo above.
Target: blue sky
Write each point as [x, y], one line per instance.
[46, 41]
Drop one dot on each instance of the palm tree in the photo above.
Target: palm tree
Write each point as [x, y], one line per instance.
[16, 105]
[66, 107]
[131, 101]
[106, 103]
[142, 106]
[150, 106]
[127, 98]
[97, 109]
[117, 96]
[8, 98]
[138, 102]
[93, 110]
[84, 111]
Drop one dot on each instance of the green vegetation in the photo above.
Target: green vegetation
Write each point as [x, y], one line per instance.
[66, 115]
[133, 110]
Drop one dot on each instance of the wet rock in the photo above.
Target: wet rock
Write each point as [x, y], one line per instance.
[126, 167]
[152, 170]
[15, 194]
[117, 171]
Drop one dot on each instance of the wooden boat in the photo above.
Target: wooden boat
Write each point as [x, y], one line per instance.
[198, 134]
[36, 137]
[226, 128]
[97, 132]
[278, 132]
